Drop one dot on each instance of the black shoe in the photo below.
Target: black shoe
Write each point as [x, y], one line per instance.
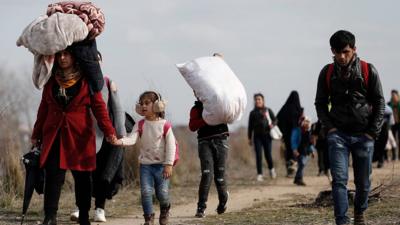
[222, 205]
[200, 212]
[50, 220]
[299, 182]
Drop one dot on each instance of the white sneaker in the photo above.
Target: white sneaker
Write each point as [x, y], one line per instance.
[99, 215]
[260, 178]
[272, 173]
[75, 215]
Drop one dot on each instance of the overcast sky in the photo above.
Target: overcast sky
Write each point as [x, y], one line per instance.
[273, 46]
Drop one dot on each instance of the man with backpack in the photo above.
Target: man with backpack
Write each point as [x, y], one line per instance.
[350, 105]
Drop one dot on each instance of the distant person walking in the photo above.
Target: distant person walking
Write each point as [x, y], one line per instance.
[261, 120]
[395, 105]
[288, 118]
[350, 105]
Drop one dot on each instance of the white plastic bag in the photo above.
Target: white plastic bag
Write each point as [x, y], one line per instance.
[223, 95]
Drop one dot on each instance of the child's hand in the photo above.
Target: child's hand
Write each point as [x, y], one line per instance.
[167, 173]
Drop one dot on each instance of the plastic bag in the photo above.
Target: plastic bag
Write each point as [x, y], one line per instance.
[223, 95]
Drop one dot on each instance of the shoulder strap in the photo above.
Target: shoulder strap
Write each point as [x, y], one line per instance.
[365, 72]
[167, 126]
[328, 76]
[140, 127]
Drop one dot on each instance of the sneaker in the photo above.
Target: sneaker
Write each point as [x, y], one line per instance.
[272, 173]
[260, 178]
[222, 205]
[99, 215]
[200, 213]
[75, 215]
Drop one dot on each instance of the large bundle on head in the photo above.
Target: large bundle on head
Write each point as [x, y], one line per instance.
[89, 13]
[223, 95]
[67, 24]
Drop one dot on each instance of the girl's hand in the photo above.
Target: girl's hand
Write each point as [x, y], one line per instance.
[167, 173]
[296, 153]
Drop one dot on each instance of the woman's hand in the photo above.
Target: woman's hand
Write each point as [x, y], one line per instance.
[167, 173]
[113, 140]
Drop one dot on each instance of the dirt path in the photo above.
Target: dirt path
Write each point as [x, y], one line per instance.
[240, 199]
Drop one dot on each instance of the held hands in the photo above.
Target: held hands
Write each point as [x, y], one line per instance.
[167, 173]
[35, 143]
[114, 140]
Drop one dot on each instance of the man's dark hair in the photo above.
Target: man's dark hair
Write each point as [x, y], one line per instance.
[340, 39]
[394, 91]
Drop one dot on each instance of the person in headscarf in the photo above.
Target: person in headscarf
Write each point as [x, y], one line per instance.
[288, 118]
[64, 129]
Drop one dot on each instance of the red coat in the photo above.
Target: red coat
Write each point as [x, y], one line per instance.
[75, 125]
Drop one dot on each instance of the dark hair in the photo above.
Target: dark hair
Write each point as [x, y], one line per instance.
[394, 91]
[340, 39]
[258, 95]
[153, 96]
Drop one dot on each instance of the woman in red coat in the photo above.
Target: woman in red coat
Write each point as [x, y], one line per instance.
[64, 130]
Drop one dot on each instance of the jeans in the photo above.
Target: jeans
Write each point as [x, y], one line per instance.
[301, 164]
[265, 142]
[151, 178]
[54, 180]
[213, 154]
[361, 147]
[396, 134]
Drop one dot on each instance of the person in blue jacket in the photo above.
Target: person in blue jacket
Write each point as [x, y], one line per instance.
[302, 148]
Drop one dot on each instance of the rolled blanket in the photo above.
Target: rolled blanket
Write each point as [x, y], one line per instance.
[49, 35]
[86, 55]
[90, 14]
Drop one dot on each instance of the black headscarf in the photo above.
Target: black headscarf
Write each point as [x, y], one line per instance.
[290, 113]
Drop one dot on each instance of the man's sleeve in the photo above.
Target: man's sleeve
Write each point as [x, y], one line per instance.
[377, 101]
[322, 101]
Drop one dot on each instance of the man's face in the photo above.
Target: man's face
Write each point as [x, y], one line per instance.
[344, 56]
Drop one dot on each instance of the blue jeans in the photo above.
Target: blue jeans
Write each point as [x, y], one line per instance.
[340, 146]
[260, 142]
[301, 164]
[151, 177]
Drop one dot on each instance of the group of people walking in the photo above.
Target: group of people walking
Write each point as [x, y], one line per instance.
[349, 103]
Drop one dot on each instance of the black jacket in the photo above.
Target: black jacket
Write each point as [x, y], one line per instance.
[355, 108]
[258, 123]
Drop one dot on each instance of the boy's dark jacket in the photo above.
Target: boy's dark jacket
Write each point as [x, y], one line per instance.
[198, 124]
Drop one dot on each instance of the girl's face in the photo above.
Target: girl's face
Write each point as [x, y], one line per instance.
[147, 107]
[65, 60]
[259, 102]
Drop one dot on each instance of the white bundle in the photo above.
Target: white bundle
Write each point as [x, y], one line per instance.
[49, 35]
[223, 95]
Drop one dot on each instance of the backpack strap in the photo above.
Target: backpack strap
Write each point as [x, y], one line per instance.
[140, 127]
[328, 76]
[364, 71]
[167, 126]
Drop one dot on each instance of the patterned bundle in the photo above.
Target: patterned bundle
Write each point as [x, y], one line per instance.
[90, 14]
